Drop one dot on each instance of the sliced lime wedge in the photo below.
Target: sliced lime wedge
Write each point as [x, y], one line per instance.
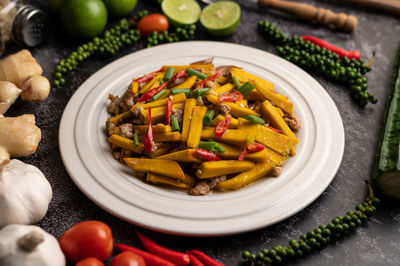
[181, 12]
[220, 18]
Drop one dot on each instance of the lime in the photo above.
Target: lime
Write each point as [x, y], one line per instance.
[83, 18]
[181, 12]
[220, 18]
[120, 8]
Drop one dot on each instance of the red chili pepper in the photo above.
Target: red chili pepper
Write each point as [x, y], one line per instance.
[178, 258]
[231, 97]
[194, 261]
[148, 95]
[205, 258]
[274, 129]
[222, 126]
[168, 109]
[341, 52]
[180, 74]
[207, 155]
[148, 140]
[243, 154]
[255, 147]
[150, 259]
[213, 77]
[148, 76]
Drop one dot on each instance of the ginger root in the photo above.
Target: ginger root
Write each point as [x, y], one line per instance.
[8, 94]
[35, 89]
[19, 136]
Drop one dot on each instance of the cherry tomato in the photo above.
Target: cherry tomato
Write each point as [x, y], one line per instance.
[90, 262]
[87, 239]
[128, 258]
[153, 22]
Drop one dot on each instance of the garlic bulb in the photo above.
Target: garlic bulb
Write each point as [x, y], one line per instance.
[25, 193]
[29, 245]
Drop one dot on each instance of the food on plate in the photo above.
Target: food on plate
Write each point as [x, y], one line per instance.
[152, 22]
[87, 239]
[29, 245]
[19, 137]
[128, 258]
[220, 18]
[202, 128]
[25, 193]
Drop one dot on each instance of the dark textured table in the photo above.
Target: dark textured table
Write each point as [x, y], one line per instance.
[375, 243]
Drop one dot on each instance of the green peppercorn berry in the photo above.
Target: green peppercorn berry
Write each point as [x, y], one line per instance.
[271, 253]
[346, 227]
[260, 256]
[352, 225]
[277, 259]
[304, 246]
[314, 243]
[252, 256]
[326, 232]
[303, 237]
[267, 260]
[56, 83]
[339, 228]
[294, 244]
[62, 81]
[359, 207]
[57, 75]
[290, 253]
[336, 221]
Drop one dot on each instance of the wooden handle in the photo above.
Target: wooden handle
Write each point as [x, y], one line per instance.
[309, 12]
[388, 6]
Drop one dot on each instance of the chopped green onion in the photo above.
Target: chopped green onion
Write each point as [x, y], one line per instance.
[208, 117]
[174, 123]
[199, 92]
[246, 88]
[211, 146]
[169, 73]
[135, 139]
[175, 91]
[254, 119]
[160, 81]
[237, 83]
[192, 72]
[158, 95]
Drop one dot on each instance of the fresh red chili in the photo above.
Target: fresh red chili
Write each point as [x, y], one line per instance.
[255, 147]
[148, 140]
[150, 259]
[207, 155]
[193, 260]
[341, 52]
[231, 97]
[222, 126]
[205, 258]
[274, 129]
[149, 94]
[243, 154]
[148, 76]
[168, 109]
[176, 257]
[212, 78]
[178, 75]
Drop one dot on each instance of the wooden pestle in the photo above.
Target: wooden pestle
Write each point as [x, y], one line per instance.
[308, 12]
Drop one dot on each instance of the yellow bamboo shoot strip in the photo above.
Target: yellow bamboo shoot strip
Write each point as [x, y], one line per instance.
[187, 84]
[233, 136]
[232, 152]
[218, 168]
[164, 180]
[204, 67]
[236, 110]
[244, 102]
[134, 87]
[118, 118]
[186, 156]
[179, 98]
[219, 118]
[187, 117]
[157, 166]
[160, 151]
[126, 143]
[163, 137]
[152, 83]
[225, 88]
[254, 95]
[244, 76]
[274, 140]
[159, 128]
[259, 171]
[279, 100]
[196, 126]
[157, 113]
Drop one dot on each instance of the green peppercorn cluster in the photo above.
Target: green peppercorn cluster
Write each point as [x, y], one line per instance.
[316, 239]
[314, 58]
[179, 33]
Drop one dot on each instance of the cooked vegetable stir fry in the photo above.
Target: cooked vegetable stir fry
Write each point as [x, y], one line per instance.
[201, 128]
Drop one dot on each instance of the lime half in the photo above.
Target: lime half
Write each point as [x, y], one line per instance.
[181, 12]
[220, 18]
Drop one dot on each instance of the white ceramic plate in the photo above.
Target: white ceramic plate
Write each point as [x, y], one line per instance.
[111, 185]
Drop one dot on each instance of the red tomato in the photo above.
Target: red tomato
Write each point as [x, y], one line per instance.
[152, 22]
[90, 262]
[87, 239]
[128, 258]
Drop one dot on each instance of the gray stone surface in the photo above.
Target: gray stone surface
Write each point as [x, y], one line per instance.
[376, 243]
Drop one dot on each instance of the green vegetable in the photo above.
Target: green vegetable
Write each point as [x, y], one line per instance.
[387, 162]
[192, 72]
[199, 92]
[175, 91]
[174, 123]
[169, 73]
[135, 139]
[254, 119]
[211, 146]
[246, 88]
[208, 117]
[158, 95]
[236, 82]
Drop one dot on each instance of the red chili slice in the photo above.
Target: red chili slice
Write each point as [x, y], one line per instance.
[243, 154]
[148, 76]
[207, 155]
[274, 129]
[222, 126]
[213, 77]
[148, 95]
[148, 140]
[255, 147]
[180, 74]
[231, 97]
[168, 109]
